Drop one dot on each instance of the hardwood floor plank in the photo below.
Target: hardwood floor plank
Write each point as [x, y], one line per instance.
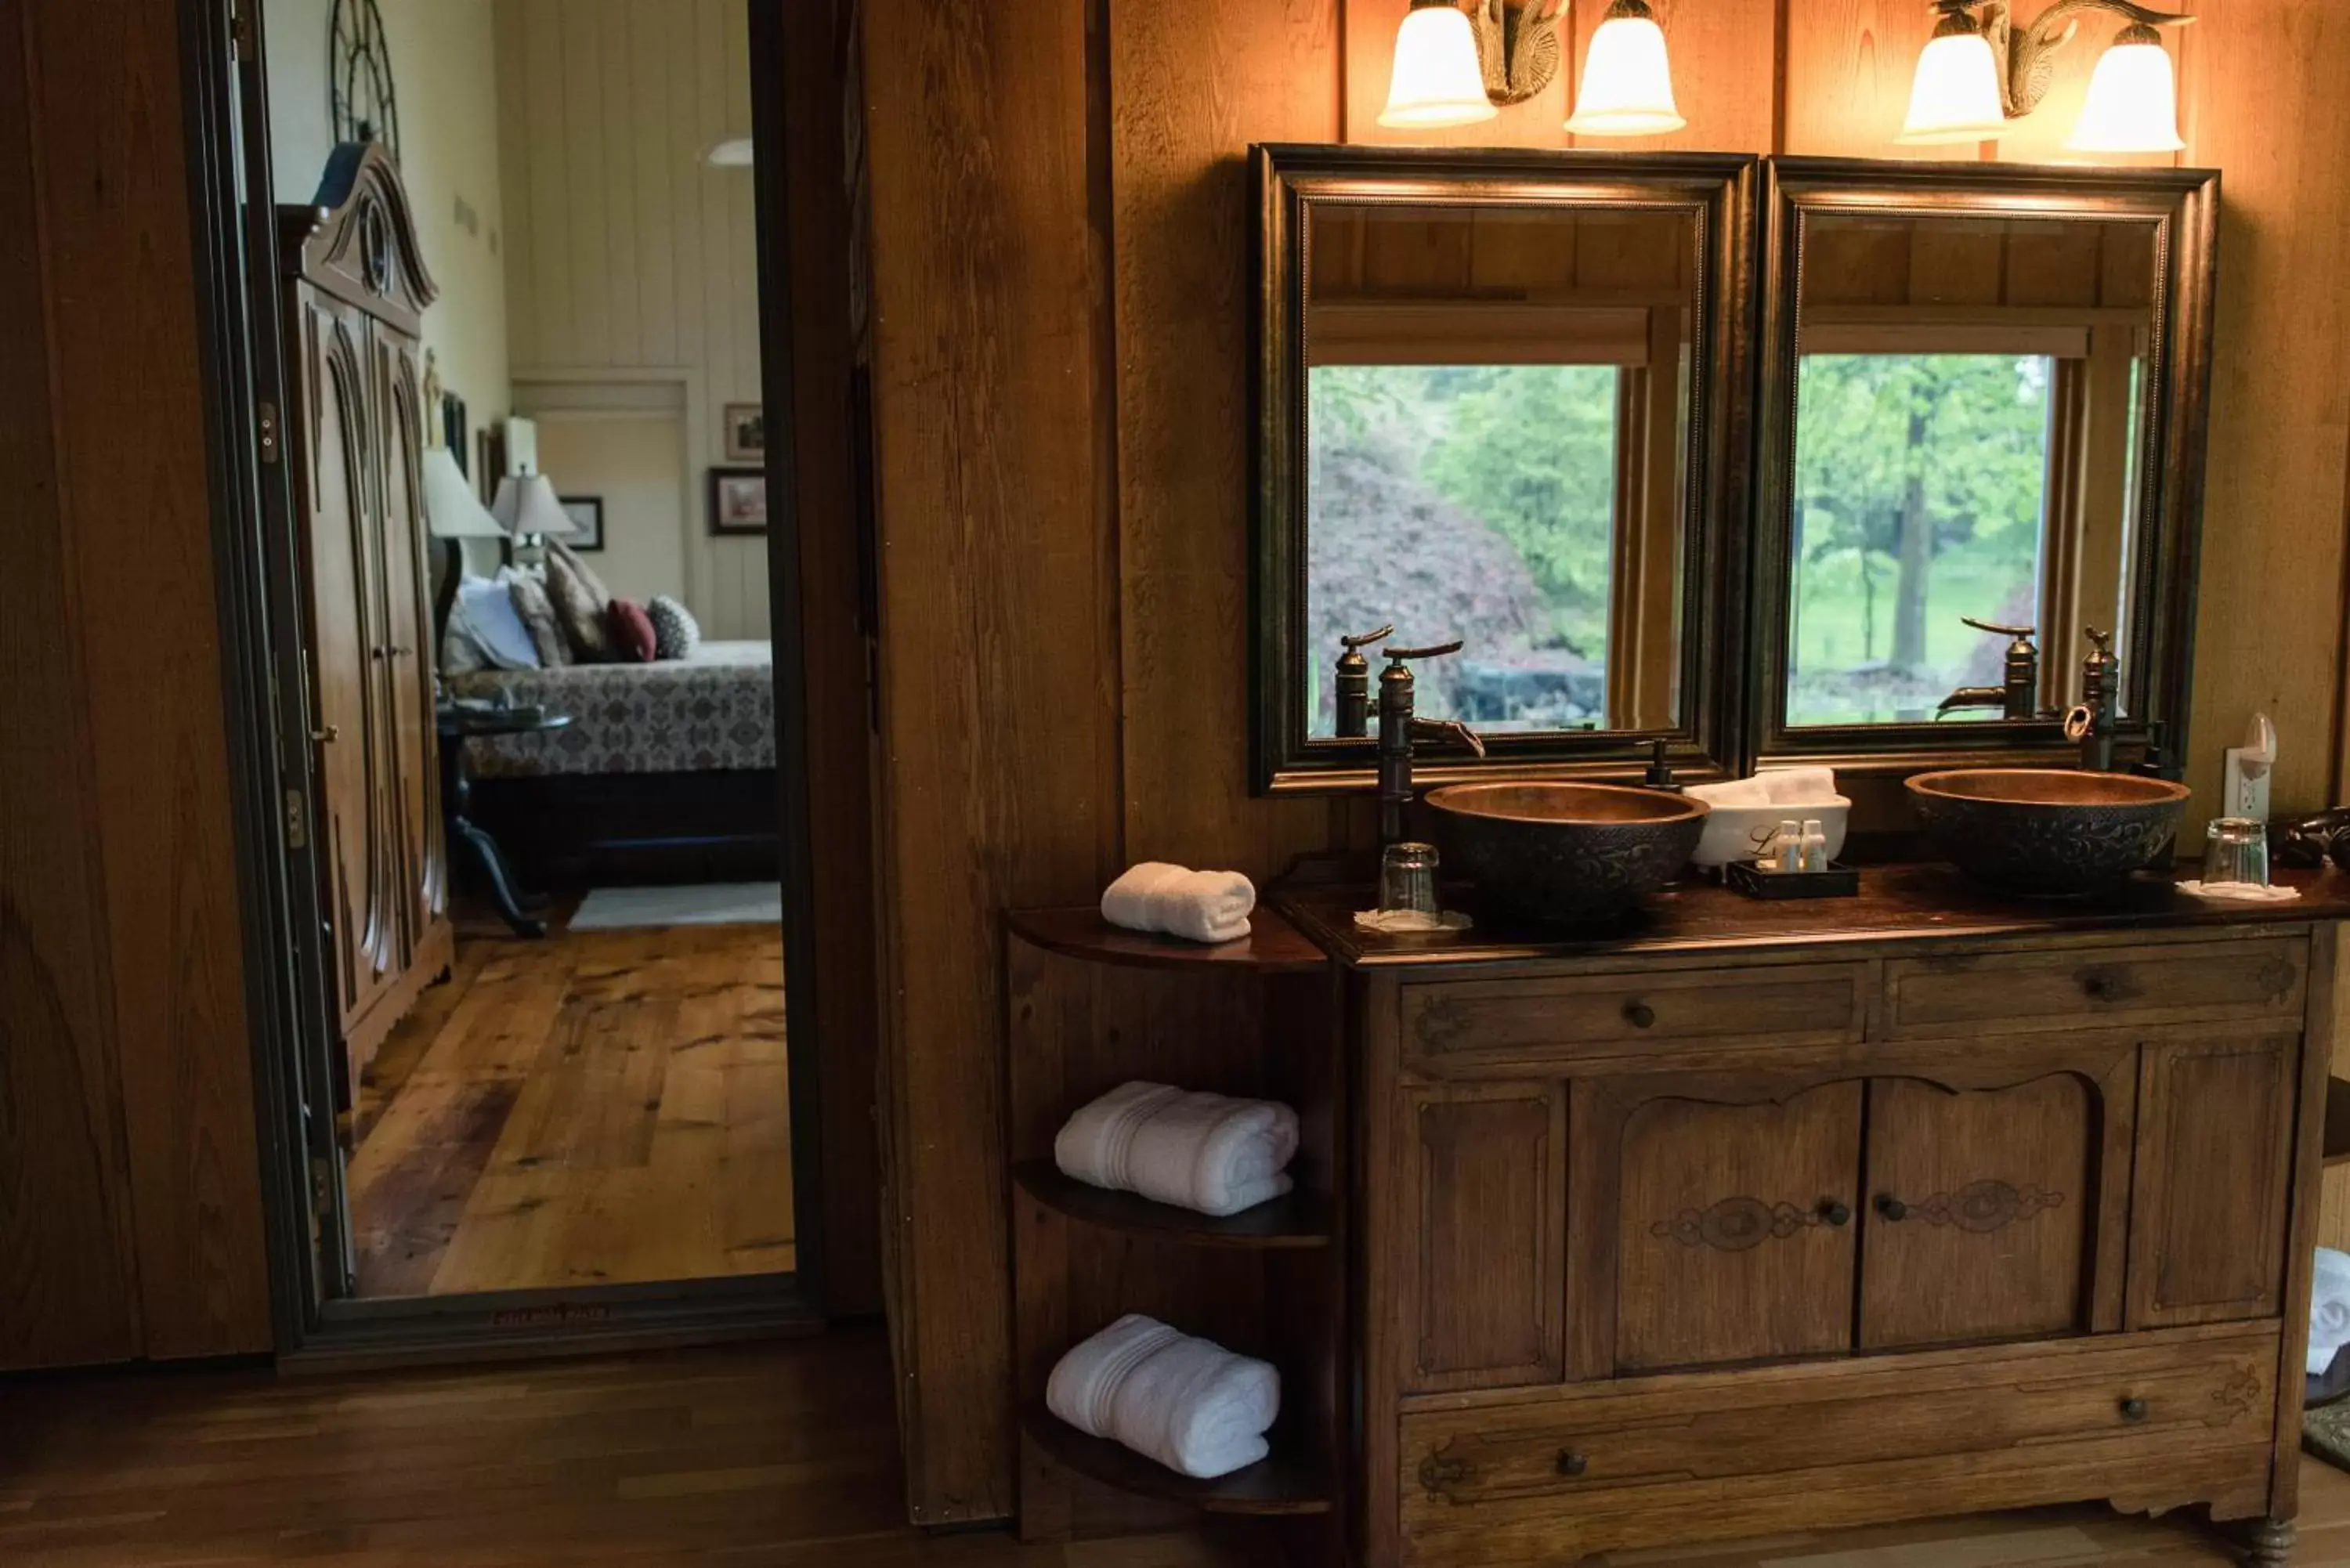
[600, 1108]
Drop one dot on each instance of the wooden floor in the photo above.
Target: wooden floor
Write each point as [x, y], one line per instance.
[600, 1107]
[779, 1455]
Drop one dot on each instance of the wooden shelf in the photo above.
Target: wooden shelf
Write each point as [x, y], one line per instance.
[1273, 946]
[1300, 1220]
[1272, 1487]
[2337, 1120]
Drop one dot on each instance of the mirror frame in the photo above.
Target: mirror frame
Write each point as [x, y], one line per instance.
[1719, 190]
[2166, 526]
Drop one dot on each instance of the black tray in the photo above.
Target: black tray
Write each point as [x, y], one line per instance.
[1838, 881]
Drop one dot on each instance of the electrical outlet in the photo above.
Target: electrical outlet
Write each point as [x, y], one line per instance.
[2244, 786]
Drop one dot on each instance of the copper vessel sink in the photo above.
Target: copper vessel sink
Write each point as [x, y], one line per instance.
[1565, 853]
[2048, 831]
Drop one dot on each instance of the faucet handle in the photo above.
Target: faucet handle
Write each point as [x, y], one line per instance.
[2103, 641]
[1352, 643]
[1437, 651]
[1997, 630]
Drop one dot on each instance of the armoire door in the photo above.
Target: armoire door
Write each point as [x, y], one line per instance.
[420, 877]
[1734, 1228]
[1981, 1215]
[345, 676]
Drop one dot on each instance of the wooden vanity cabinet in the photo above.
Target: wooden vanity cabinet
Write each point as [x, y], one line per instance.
[1693, 1236]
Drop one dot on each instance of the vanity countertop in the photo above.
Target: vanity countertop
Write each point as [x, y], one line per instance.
[1897, 904]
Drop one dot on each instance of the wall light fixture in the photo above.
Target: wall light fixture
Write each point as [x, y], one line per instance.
[1457, 67]
[1979, 73]
[1627, 79]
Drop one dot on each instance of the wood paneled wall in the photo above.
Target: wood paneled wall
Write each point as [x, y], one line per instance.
[1059, 239]
[130, 1179]
[626, 253]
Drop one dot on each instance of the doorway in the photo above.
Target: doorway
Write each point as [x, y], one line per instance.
[542, 1068]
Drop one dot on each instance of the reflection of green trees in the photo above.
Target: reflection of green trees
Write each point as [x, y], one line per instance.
[1527, 449]
[1905, 462]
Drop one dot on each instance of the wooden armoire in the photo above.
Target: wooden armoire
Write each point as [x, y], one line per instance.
[355, 292]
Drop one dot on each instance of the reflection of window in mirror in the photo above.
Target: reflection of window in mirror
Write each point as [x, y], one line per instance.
[1494, 426]
[1966, 426]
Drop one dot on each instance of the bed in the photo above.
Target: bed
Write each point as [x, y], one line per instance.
[667, 770]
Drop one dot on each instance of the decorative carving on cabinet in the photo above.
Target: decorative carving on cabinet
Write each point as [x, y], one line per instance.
[1983, 1207]
[2235, 1398]
[1740, 1224]
[1440, 1475]
[1442, 1023]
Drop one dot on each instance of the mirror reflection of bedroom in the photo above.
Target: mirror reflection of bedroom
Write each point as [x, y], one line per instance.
[596, 1094]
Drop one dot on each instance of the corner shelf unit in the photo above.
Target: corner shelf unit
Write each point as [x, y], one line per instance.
[1092, 1007]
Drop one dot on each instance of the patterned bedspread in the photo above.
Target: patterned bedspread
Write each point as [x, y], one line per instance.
[713, 711]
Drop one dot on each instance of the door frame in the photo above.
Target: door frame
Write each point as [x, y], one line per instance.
[256, 546]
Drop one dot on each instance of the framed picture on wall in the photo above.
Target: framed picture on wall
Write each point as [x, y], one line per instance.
[747, 433]
[587, 514]
[738, 501]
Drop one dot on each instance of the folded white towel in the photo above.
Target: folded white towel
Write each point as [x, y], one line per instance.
[1210, 1153]
[1733, 791]
[1199, 906]
[1798, 786]
[2329, 1308]
[1193, 1407]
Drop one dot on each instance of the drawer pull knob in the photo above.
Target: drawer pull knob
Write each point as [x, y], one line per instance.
[1836, 1213]
[2133, 1409]
[2097, 987]
[1892, 1207]
[1639, 1015]
[1571, 1463]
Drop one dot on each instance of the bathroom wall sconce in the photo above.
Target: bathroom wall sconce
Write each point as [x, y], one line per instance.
[1456, 66]
[1977, 74]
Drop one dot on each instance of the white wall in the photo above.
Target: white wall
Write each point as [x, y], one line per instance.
[627, 257]
[444, 70]
[636, 464]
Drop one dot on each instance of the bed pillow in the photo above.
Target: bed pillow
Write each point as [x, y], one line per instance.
[676, 633]
[538, 612]
[487, 616]
[579, 600]
[573, 561]
[632, 632]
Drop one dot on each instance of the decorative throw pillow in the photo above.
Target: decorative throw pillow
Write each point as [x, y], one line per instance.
[486, 619]
[632, 632]
[676, 633]
[538, 612]
[460, 654]
[577, 565]
[578, 609]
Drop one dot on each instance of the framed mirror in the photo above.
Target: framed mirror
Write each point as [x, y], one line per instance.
[1981, 440]
[1502, 399]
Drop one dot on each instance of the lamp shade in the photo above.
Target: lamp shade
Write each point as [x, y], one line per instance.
[1437, 80]
[2133, 102]
[526, 503]
[734, 153]
[1627, 79]
[451, 510]
[1955, 95]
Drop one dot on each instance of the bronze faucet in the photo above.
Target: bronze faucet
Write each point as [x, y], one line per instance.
[1398, 729]
[2094, 719]
[2019, 696]
[1354, 685]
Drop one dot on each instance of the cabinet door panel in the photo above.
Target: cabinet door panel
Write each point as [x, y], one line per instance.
[1734, 1240]
[2215, 1148]
[1487, 1275]
[1981, 1215]
[415, 786]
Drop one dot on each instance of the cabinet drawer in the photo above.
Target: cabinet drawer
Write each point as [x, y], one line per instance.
[1627, 1015]
[1646, 1461]
[2187, 983]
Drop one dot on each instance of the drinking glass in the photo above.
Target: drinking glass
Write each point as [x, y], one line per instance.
[1408, 879]
[2236, 849]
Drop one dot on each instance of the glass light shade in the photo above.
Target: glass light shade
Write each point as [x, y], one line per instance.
[1955, 95]
[2133, 102]
[1628, 82]
[1437, 79]
[734, 153]
[527, 504]
[451, 510]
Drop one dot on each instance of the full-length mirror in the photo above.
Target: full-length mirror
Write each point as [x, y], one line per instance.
[1500, 399]
[1982, 396]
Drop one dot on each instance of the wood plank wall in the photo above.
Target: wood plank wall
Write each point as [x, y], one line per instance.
[129, 1180]
[626, 253]
[1058, 243]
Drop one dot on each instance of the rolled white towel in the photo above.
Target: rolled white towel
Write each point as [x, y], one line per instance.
[2329, 1308]
[1193, 1407]
[1205, 1152]
[1798, 786]
[1733, 791]
[1198, 906]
